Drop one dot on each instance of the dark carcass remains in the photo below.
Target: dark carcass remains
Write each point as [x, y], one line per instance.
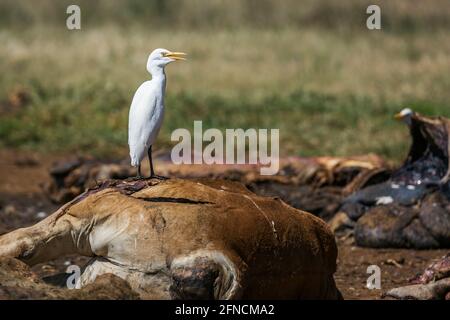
[412, 207]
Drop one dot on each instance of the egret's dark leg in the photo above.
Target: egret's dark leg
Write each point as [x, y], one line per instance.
[152, 172]
[139, 175]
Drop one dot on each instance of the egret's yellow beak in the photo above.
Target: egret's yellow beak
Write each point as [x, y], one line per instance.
[176, 55]
[398, 116]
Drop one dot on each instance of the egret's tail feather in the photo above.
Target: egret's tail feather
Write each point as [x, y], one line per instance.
[136, 155]
[134, 160]
[134, 163]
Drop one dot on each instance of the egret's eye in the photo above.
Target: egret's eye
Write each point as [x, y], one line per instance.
[163, 54]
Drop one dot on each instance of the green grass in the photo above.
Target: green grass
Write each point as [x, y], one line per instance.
[92, 119]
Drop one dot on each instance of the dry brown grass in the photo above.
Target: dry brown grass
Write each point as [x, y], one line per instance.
[247, 62]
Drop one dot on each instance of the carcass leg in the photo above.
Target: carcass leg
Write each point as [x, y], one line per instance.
[52, 237]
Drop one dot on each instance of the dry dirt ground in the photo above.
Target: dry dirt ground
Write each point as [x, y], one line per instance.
[22, 203]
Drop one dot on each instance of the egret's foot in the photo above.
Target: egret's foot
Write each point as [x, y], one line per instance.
[155, 176]
[135, 178]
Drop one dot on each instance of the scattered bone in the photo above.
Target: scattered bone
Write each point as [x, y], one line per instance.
[392, 262]
[340, 222]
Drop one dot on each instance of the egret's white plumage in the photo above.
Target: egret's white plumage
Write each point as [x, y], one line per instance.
[145, 119]
[147, 108]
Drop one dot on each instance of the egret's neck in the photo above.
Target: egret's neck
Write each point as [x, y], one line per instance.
[159, 76]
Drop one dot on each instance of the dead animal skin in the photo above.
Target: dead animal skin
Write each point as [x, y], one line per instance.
[432, 284]
[188, 239]
[437, 290]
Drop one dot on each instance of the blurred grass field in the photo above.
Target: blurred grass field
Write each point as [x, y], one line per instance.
[310, 68]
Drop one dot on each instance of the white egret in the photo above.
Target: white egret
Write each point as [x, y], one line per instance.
[147, 108]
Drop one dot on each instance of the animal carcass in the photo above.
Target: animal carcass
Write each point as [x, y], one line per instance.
[187, 239]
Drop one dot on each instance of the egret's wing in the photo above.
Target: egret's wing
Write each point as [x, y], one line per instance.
[139, 121]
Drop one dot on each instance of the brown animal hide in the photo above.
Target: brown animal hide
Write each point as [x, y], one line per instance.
[187, 239]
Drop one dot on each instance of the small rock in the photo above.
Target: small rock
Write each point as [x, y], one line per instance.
[41, 215]
[10, 210]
